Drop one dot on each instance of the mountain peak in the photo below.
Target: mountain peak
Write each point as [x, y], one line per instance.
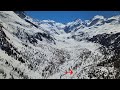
[48, 20]
[78, 20]
[98, 17]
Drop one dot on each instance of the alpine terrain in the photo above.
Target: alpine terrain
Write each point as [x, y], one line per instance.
[45, 49]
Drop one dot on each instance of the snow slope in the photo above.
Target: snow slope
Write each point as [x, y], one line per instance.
[33, 49]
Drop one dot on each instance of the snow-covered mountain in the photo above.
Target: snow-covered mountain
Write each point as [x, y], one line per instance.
[45, 49]
[72, 26]
[50, 26]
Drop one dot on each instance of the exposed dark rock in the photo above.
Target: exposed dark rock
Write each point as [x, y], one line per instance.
[21, 14]
[31, 23]
[95, 22]
[7, 47]
[39, 36]
[111, 20]
[111, 43]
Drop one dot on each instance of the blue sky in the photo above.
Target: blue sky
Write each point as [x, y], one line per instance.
[67, 16]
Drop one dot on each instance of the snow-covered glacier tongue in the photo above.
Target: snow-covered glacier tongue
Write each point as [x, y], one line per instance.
[45, 49]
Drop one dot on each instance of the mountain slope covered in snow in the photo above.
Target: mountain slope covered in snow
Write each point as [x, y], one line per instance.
[45, 49]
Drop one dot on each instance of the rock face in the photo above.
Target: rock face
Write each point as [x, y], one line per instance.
[34, 49]
[20, 14]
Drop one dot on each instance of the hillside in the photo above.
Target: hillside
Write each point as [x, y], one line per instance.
[45, 49]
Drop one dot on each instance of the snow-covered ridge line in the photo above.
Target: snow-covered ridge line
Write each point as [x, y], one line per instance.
[77, 24]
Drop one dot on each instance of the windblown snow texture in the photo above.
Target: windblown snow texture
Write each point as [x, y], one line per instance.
[45, 49]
